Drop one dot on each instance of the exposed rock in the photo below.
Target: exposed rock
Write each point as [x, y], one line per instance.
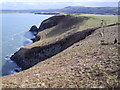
[34, 29]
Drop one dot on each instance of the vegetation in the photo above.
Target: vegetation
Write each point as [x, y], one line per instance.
[95, 20]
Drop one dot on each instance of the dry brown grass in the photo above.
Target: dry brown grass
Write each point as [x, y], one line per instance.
[86, 64]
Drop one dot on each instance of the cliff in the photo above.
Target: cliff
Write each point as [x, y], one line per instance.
[54, 35]
[54, 26]
[26, 58]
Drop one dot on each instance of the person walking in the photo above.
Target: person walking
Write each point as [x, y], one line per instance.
[102, 32]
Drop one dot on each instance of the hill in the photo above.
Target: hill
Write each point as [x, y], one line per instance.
[90, 10]
[72, 57]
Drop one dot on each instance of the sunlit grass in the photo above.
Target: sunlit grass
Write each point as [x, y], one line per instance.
[95, 20]
[53, 32]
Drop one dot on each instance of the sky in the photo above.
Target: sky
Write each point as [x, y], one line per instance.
[58, 1]
[53, 4]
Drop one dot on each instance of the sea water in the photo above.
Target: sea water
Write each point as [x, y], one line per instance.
[14, 34]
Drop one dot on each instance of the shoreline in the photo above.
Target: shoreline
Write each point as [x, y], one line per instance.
[8, 59]
[34, 30]
[29, 13]
[16, 40]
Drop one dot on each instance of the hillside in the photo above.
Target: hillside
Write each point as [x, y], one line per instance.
[70, 58]
[89, 10]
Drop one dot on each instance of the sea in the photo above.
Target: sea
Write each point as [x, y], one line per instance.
[14, 33]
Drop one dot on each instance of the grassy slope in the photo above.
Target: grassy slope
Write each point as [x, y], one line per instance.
[84, 64]
[63, 29]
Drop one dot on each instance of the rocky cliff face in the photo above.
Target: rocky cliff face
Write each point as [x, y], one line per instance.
[55, 21]
[28, 57]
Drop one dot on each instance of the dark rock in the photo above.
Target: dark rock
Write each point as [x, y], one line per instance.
[34, 40]
[17, 70]
[115, 41]
[34, 29]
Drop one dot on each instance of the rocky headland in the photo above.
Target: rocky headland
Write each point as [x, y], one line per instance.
[63, 55]
[28, 57]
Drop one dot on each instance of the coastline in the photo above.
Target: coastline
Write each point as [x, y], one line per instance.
[89, 61]
[15, 38]
[57, 46]
[41, 13]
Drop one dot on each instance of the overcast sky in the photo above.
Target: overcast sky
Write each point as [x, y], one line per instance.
[58, 1]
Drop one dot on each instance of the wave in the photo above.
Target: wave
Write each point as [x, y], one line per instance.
[29, 35]
[28, 42]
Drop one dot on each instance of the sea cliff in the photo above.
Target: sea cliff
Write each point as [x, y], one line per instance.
[28, 57]
[39, 51]
[72, 57]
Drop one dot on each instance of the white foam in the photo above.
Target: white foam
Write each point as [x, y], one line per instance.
[28, 42]
[15, 70]
[12, 72]
[34, 32]
[29, 35]
[7, 58]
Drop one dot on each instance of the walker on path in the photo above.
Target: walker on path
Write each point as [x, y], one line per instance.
[102, 33]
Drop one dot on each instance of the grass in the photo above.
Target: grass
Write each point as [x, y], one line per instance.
[76, 23]
[95, 20]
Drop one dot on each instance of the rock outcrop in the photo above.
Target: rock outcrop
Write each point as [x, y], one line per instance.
[34, 29]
